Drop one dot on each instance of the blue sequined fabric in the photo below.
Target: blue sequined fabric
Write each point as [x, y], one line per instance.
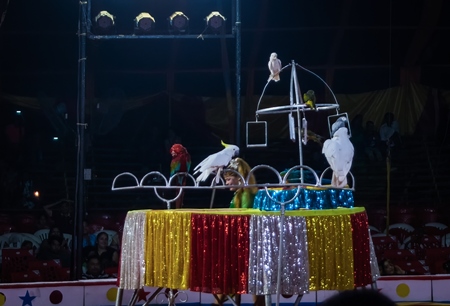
[306, 199]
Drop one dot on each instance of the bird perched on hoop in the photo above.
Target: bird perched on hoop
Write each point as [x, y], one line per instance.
[274, 67]
[309, 98]
[181, 163]
[339, 153]
[215, 163]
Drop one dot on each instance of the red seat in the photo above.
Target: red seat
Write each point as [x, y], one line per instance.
[434, 255]
[382, 243]
[403, 215]
[28, 276]
[64, 274]
[112, 271]
[401, 235]
[15, 260]
[412, 267]
[421, 242]
[50, 270]
[399, 255]
[437, 267]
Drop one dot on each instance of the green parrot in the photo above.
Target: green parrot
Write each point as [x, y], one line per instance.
[309, 98]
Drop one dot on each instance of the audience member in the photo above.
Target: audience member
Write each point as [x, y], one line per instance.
[62, 217]
[115, 242]
[372, 143]
[94, 269]
[55, 251]
[88, 237]
[28, 245]
[390, 130]
[446, 266]
[109, 257]
[357, 130]
[366, 297]
[53, 232]
[387, 267]
[43, 222]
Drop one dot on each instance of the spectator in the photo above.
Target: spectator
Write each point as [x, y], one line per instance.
[94, 269]
[62, 217]
[372, 143]
[88, 237]
[357, 131]
[446, 266]
[387, 267]
[55, 251]
[109, 257]
[28, 245]
[42, 222]
[390, 130]
[52, 232]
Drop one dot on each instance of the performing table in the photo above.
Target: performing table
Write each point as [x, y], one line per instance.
[227, 251]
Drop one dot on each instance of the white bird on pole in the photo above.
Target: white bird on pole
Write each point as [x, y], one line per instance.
[274, 67]
[215, 163]
[339, 153]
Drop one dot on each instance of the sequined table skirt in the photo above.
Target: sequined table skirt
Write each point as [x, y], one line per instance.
[236, 250]
[308, 198]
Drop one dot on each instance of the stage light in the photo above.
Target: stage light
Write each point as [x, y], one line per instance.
[178, 22]
[144, 23]
[215, 22]
[104, 21]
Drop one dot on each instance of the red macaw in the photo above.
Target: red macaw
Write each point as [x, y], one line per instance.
[181, 162]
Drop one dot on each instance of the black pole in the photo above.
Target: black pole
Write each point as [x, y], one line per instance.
[238, 73]
[76, 271]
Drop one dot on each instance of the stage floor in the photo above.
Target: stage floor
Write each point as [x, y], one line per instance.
[405, 290]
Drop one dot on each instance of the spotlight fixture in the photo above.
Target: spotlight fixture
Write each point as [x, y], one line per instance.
[215, 22]
[178, 22]
[104, 21]
[144, 23]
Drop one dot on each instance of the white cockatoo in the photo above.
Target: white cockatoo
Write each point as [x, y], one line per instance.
[216, 162]
[274, 67]
[339, 153]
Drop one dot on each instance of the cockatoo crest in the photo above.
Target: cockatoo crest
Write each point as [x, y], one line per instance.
[274, 67]
[216, 162]
[339, 154]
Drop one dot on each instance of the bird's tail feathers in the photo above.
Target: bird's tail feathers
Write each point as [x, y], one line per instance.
[339, 180]
[203, 176]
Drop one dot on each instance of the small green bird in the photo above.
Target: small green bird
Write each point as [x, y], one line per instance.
[309, 98]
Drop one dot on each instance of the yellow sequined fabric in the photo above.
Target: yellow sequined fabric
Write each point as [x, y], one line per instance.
[167, 254]
[330, 252]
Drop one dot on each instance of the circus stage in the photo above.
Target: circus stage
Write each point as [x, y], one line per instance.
[405, 290]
